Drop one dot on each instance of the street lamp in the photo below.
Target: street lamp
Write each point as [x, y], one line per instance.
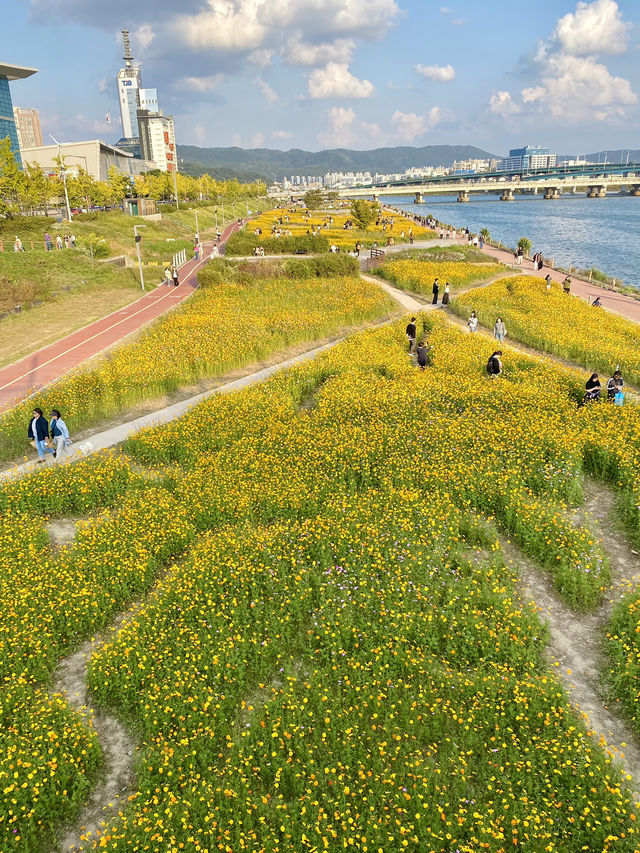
[197, 229]
[138, 237]
[175, 187]
[63, 172]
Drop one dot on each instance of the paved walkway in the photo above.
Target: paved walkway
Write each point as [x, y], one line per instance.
[41, 368]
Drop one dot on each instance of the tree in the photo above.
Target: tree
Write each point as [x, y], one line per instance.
[117, 185]
[313, 199]
[364, 212]
[12, 180]
[525, 244]
[485, 234]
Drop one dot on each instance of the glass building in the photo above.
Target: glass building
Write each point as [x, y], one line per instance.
[8, 73]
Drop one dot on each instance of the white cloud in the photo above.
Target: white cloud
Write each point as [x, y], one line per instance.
[200, 134]
[501, 103]
[445, 10]
[262, 58]
[104, 84]
[594, 28]
[142, 38]
[409, 125]
[236, 140]
[579, 88]
[341, 132]
[257, 140]
[438, 73]
[336, 81]
[249, 25]
[200, 84]
[282, 134]
[267, 92]
[298, 52]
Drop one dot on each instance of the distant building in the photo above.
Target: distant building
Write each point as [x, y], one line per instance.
[529, 157]
[27, 127]
[94, 156]
[129, 83]
[9, 73]
[158, 139]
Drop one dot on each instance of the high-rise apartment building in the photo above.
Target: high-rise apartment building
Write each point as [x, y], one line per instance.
[129, 84]
[8, 73]
[27, 127]
[158, 139]
[528, 157]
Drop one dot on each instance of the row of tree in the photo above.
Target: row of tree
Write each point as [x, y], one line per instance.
[31, 188]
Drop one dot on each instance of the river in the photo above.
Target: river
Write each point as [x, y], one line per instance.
[574, 230]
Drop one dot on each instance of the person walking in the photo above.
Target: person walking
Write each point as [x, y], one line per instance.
[17, 245]
[472, 322]
[592, 389]
[445, 295]
[58, 241]
[435, 290]
[499, 330]
[60, 435]
[411, 334]
[174, 276]
[38, 434]
[196, 250]
[547, 278]
[494, 364]
[566, 284]
[48, 242]
[167, 276]
[421, 354]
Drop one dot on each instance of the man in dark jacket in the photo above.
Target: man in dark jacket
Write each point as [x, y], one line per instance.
[411, 334]
[38, 432]
[494, 365]
[435, 291]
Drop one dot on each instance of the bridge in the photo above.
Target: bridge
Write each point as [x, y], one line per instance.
[550, 186]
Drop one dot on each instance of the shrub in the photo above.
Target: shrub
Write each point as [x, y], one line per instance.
[242, 243]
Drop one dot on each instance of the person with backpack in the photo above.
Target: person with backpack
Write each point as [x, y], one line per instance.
[494, 364]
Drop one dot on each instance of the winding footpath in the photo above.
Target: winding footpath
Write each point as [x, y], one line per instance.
[39, 369]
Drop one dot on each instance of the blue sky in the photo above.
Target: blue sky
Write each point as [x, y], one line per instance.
[340, 73]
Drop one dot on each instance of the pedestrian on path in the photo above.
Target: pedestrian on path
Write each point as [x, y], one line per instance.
[566, 284]
[60, 435]
[494, 365]
[38, 433]
[174, 276]
[58, 241]
[411, 334]
[167, 276]
[422, 355]
[445, 295]
[48, 242]
[435, 290]
[472, 322]
[499, 330]
[196, 250]
[547, 278]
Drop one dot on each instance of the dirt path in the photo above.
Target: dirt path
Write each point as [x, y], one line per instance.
[575, 646]
[118, 748]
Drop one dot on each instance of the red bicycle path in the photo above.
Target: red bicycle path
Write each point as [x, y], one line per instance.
[39, 369]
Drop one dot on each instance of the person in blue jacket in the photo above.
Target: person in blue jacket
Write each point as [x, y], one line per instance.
[39, 433]
[59, 434]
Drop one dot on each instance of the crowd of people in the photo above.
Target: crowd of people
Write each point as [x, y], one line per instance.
[49, 437]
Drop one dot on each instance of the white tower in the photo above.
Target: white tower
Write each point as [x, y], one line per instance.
[129, 83]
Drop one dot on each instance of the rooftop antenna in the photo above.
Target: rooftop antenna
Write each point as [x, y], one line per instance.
[128, 56]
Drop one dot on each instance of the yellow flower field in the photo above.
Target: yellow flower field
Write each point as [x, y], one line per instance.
[418, 275]
[339, 659]
[219, 328]
[331, 225]
[554, 322]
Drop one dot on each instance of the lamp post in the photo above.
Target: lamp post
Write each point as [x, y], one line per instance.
[138, 237]
[175, 187]
[197, 229]
[63, 172]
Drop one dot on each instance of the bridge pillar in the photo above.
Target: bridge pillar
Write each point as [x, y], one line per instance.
[507, 195]
[597, 192]
[602, 192]
[635, 190]
[464, 196]
[418, 199]
[551, 192]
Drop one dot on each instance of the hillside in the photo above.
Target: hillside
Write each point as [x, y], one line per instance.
[276, 164]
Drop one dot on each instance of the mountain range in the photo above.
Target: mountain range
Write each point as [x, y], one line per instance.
[274, 164]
